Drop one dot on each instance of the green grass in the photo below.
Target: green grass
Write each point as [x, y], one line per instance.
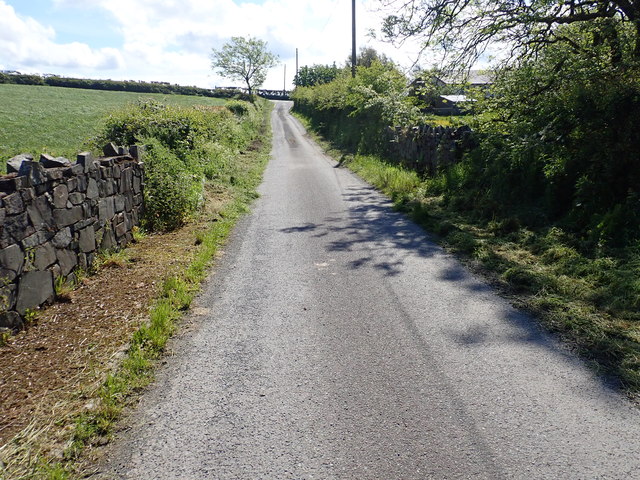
[60, 121]
[592, 303]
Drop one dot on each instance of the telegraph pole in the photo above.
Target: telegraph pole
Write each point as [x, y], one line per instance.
[284, 85]
[353, 38]
[296, 61]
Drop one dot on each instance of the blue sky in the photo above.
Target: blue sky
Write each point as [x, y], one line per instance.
[171, 40]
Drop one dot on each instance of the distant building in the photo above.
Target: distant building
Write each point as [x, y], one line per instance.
[475, 78]
[446, 94]
[450, 104]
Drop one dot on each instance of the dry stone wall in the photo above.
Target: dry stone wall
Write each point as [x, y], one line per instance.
[56, 215]
[425, 148]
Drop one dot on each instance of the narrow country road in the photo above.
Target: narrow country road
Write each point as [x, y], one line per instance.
[335, 341]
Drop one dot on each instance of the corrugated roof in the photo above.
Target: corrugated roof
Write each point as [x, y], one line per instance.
[455, 98]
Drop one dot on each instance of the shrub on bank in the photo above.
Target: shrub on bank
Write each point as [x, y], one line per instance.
[185, 146]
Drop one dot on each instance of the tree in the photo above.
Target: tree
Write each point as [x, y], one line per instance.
[463, 29]
[315, 75]
[367, 55]
[244, 59]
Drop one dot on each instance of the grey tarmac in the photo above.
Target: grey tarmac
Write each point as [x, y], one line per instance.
[335, 340]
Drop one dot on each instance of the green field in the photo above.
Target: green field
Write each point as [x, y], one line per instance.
[60, 121]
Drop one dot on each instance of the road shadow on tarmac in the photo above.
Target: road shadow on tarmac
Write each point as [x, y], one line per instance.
[381, 238]
[369, 226]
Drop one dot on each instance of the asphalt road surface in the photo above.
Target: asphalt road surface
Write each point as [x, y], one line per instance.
[336, 341]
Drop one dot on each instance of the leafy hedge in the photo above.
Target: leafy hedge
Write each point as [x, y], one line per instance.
[553, 148]
[120, 85]
[185, 146]
[353, 112]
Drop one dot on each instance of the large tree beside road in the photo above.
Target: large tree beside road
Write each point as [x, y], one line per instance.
[464, 29]
[245, 59]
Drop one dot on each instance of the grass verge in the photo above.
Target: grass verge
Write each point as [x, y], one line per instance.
[94, 426]
[593, 304]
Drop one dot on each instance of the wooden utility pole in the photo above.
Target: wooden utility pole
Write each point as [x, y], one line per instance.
[353, 38]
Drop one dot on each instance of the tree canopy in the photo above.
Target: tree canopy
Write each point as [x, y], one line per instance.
[463, 28]
[315, 75]
[367, 56]
[244, 59]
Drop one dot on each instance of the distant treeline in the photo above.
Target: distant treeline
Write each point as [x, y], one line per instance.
[118, 85]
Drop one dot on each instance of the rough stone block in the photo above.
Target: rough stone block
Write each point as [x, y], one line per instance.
[3, 214]
[60, 196]
[13, 164]
[120, 230]
[75, 198]
[62, 239]
[108, 240]
[35, 172]
[12, 258]
[106, 209]
[54, 174]
[110, 187]
[92, 189]
[85, 159]
[135, 151]
[43, 207]
[45, 256]
[8, 297]
[72, 183]
[14, 204]
[48, 161]
[7, 276]
[11, 320]
[119, 203]
[36, 239]
[76, 169]
[126, 181]
[67, 261]
[87, 240]
[8, 184]
[82, 261]
[17, 227]
[82, 183]
[67, 216]
[110, 150]
[28, 195]
[84, 224]
[35, 288]
[88, 210]
[137, 185]
[106, 167]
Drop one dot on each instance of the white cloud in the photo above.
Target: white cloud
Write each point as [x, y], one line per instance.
[27, 45]
[171, 40]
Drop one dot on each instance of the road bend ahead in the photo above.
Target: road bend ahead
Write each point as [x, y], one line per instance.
[335, 341]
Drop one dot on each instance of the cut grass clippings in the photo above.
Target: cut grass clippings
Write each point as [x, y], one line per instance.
[147, 344]
[591, 303]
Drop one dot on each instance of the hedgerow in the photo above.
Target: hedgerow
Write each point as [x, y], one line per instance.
[185, 146]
